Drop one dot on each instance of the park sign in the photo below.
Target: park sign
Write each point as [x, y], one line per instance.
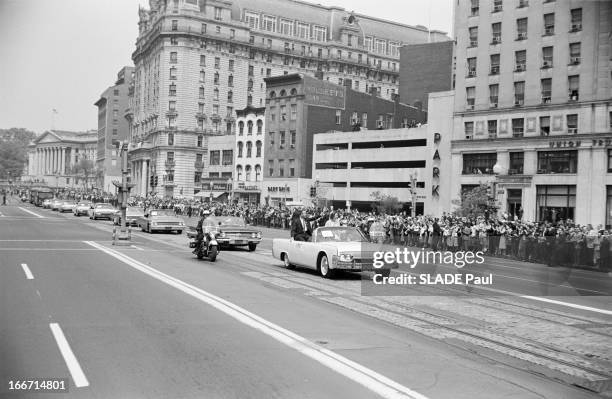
[322, 93]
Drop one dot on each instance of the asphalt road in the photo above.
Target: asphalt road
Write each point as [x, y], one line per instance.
[151, 321]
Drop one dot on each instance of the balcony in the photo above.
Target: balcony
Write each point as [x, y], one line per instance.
[170, 164]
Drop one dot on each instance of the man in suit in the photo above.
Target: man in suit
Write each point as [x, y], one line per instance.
[301, 229]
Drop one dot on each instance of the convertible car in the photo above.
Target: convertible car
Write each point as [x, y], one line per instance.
[330, 249]
[231, 231]
[160, 220]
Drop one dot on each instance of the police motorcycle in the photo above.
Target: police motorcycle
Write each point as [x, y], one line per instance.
[204, 240]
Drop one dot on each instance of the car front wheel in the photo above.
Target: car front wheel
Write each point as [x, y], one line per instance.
[252, 246]
[324, 269]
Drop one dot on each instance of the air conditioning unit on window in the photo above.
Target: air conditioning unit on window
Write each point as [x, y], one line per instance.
[576, 27]
[522, 35]
[549, 30]
[518, 103]
[379, 124]
[474, 43]
[471, 74]
[470, 107]
[545, 100]
[520, 68]
[497, 8]
[575, 60]
[496, 39]
[546, 64]
[572, 130]
[468, 137]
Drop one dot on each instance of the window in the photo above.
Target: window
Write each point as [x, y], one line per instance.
[240, 147]
[173, 73]
[521, 28]
[497, 5]
[216, 78]
[302, 30]
[258, 149]
[380, 46]
[546, 90]
[574, 84]
[281, 135]
[520, 60]
[218, 13]
[547, 57]
[259, 126]
[240, 128]
[549, 24]
[271, 139]
[250, 128]
[286, 27]
[544, 125]
[557, 161]
[228, 157]
[368, 43]
[281, 167]
[469, 130]
[172, 90]
[202, 76]
[292, 168]
[249, 149]
[200, 108]
[574, 53]
[479, 164]
[271, 167]
[609, 161]
[554, 203]
[471, 67]
[217, 62]
[474, 8]
[173, 57]
[197, 176]
[231, 65]
[239, 172]
[338, 117]
[252, 20]
[268, 23]
[319, 33]
[492, 129]
[470, 96]
[115, 132]
[364, 120]
[203, 29]
[172, 105]
[494, 60]
[174, 24]
[518, 127]
[496, 31]
[519, 93]
[200, 123]
[251, 71]
[170, 141]
[216, 95]
[230, 96]
[576, 19]
[572, 123]
[493, 95]
[200, 142]
[293, 112]
[292, 138]
[473, 36]
[200, 92]
[516, 163]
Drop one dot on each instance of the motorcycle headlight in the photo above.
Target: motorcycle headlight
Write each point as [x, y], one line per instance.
[345, 257]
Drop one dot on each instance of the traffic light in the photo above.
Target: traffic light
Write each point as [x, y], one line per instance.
[151, 181]
[313, 191]
[491, 190]
[156, 180]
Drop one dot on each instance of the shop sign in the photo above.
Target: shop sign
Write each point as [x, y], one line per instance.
[219, 186]
[278, 189]
[324, 94]
[603, 142]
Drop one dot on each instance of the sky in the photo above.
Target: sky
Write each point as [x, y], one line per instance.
[62, 54]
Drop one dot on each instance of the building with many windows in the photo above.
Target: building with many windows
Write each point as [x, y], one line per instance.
[533, 95]
[112, 127]
[299, 106]
[196, 62]
[249, 154]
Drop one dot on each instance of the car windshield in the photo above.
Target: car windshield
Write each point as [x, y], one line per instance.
[339, 234]
[84, 203]
[227, 221]
[68, 202]
[162, 212]
[108, 206]
[134, 211]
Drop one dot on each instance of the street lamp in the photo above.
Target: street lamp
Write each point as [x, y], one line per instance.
[414, 176]
[230, 187]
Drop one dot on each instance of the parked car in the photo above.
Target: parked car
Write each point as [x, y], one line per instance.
[82, 208]
[47, 203]
[102, 211]
[161, 220]
[330, 249]
[67, 206]
[132, 213]
[55, 204]
[232, 231]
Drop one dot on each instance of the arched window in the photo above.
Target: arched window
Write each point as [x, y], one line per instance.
[249, 149]
[259, 126]
[250, 100]
[201, 92]
[240, 145]
[294, 92]
[230, 80]
[272, 94]
[250, 127]
[283, 93]
[230, 96]
[216, 78]
[239, 172]
[247, 173]
[257, 173]
[240, 128]
[216, 94]
[258, 149]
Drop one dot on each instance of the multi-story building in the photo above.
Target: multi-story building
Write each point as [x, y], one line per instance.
[198, 61]
[297, 107]
[249, 154]
[112, 127]
[54, 155]
[219, 165]
[533, 97]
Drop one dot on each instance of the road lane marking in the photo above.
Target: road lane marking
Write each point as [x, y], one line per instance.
[135, 247]
[71, 361]
[32, 213]
[362, 375]
[27, 271]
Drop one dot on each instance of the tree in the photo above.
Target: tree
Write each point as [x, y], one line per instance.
[84, 168]
[385, 203]
[475, 203]
[14, 151]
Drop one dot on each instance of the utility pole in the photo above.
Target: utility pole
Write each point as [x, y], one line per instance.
[124, 235]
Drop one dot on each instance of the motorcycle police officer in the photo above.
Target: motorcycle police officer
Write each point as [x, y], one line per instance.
[200, 230]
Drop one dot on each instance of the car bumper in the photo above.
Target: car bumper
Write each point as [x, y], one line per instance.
[167, 227]
[238, 241]
[357, 265]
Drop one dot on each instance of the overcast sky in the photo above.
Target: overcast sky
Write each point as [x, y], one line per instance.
[62, 54]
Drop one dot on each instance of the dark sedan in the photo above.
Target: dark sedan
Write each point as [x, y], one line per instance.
[132, 214]
[232, 231]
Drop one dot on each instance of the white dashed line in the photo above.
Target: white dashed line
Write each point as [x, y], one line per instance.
[32, 213]
[27, 271]
[71, 361]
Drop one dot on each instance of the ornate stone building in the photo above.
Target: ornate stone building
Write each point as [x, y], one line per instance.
[197, 61]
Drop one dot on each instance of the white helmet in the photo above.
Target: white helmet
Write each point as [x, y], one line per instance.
[206, 212]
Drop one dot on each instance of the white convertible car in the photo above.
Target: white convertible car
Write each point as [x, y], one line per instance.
[330, 249]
